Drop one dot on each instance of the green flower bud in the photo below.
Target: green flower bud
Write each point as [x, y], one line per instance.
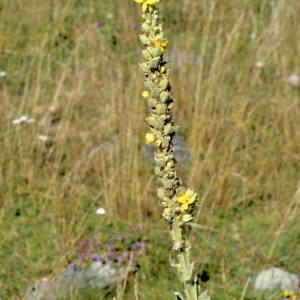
[155, 52]
[165, 142]
[163, 69]
[153, 64]
[152, 103]
[171, 164]
[163, 84]
[187, 218]
[161, 160]
[145, 27]
[146, 54]
[144, 40]
[164, 96]
[161, 193]
[161, 109]
[168, 129]
[145, 68]
[168, 184]
[167, 214]
[148, 84]
[156, 92]
[155, 122]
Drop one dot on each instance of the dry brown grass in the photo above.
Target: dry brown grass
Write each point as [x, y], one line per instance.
[241, 121]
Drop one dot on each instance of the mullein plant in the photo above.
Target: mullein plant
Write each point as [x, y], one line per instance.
[178, 202]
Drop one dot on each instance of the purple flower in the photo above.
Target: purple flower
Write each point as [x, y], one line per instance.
[112, 256]
[81, 257]
[96, 258]
[100, 24]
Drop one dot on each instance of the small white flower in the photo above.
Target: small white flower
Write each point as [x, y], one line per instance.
[294, 80]
[259, 64]
[43, 138]
[101, 211]
[3, 73]
[23, 119]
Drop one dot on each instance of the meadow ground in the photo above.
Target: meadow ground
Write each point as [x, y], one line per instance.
[72, 66]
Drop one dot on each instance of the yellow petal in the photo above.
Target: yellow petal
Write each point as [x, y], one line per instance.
[139, 1]
[182, 199]
[150, 138]
[157, 143]
[146, 94]
[144, 6]
[184, 206]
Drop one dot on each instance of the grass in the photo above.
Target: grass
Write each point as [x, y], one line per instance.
[73, 67]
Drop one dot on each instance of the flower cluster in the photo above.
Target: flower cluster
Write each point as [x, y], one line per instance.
[119, 251]
[175, 199]
[289, 295]
[146, 3]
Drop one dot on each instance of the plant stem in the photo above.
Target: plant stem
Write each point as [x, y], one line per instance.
[178, 202]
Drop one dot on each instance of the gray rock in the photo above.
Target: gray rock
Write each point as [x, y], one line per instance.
[97, 275]
[275, 278]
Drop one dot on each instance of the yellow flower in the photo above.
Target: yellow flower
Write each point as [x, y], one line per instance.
[157, 143]
[146, 94]
[150, 138]
[186, 199]
[146, 3]
[289, 295]
[161, 44]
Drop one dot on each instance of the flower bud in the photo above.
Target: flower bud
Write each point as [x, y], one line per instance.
[145, 27]
[168, 129]
[144, 40]
[146, 54]
[153, 64]
[152, 103]
[164, 96]
[145, 68]
[161, 109]
[163, 84]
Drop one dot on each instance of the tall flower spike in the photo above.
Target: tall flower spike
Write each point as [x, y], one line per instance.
[178, 202]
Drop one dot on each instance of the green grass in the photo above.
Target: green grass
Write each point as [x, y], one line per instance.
[75, 64]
